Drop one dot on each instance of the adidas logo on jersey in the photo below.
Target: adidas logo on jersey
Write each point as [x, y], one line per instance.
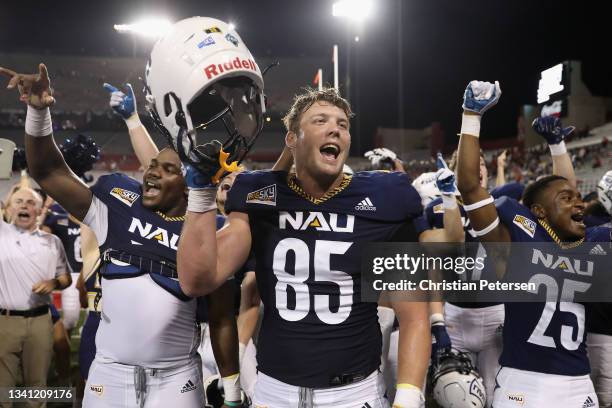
[265, 195]
[589, 403]
[189, 386]
[125, 196]
[365, 205]
[597, 250]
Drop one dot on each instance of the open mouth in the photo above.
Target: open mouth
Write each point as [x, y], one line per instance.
[578, 218]
[151, 189]
[23, 216]
[330, 152]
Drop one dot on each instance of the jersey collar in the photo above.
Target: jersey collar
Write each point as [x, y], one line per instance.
[167, 218]
[293, 184]
[555, 237]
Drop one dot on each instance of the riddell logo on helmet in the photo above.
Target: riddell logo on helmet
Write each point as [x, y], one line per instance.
[213, 70]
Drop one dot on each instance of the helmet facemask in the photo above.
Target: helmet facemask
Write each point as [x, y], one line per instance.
[233, 105]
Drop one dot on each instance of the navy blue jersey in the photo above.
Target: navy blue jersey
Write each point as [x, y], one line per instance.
[594, 220]
[149, 237]
[512, 190]
[599, 314]
[68, 232]
[545, 337]
[316, 331]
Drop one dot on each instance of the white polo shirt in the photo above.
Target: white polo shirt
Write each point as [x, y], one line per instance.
[26, 258]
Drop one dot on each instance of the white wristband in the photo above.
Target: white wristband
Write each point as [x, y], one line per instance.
[478, 204]
[38, 122]
[470, 125]
[408, 397]
[449, 202]
[436, 319]
[557, 149]
[231, 387]
[486, 230]
[133, 122]
[201, 200]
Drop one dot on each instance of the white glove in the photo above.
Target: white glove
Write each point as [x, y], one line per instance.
[379, 154]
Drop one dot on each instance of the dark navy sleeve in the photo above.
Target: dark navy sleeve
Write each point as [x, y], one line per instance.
[424, 222]
[236, 197]
[117, 186]
[517, 218]
[220, 221]
[402, 195]
[599, 234]
[512, 190]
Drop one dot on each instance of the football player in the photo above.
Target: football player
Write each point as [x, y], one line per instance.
[148, 335]
[475, 327]
[544, 361]
[319, 344]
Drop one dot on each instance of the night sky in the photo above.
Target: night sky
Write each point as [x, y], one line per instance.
[445, 43]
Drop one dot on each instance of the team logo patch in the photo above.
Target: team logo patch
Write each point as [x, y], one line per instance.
[97, 389]
[518, 398]
[265, 195]
[206, 42]
[525, 224]
[125, 196]
[63, 222]
[438, 209]
[231, 39]
[211, 30]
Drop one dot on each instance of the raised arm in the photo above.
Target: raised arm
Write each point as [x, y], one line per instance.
[453, 227]
[550, 128]
[124, 105]
[206, 258]
[45, 162]
[500, 180]
[478, 203]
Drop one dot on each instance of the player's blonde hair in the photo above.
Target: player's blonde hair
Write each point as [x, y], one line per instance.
[302, 102]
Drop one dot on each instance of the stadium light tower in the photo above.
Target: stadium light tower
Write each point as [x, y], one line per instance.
[356, 12]
[152, 27]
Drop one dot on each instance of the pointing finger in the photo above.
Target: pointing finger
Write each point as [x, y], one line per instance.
[109, 87]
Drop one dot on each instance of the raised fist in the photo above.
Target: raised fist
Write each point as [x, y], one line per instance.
[481, 96]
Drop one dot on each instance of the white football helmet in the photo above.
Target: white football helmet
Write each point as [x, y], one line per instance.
[202, 76]
[456, 384]
[426, 186]
[604, 191]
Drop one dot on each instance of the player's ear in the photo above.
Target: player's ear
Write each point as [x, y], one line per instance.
[291, 139]
[538, 210]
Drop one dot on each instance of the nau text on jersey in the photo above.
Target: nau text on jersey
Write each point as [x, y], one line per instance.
[320, 221]
[159, 234]
[577, 266]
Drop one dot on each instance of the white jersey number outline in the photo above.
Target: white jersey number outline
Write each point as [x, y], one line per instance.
[566, 336]
[322, 273]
